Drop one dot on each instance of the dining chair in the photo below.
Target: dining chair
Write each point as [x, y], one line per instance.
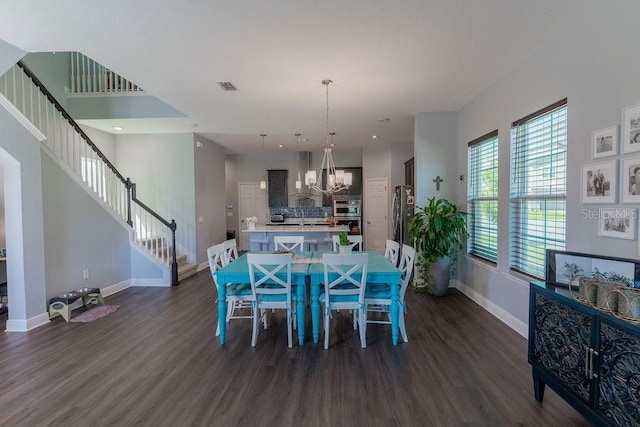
[355, 240]
[346, 291]
[231, 249]
[289, 243]
[377, 297]
[237, 294]
[391, 251]
[270, 276]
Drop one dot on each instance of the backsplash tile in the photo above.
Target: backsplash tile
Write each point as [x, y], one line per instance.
[309, 212]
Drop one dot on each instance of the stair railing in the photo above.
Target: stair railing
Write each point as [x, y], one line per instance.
[89, 76]
[71, 145]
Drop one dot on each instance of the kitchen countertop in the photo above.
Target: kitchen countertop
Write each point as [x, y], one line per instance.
[315, 228]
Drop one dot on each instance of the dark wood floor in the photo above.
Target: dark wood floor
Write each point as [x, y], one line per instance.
[156, 362]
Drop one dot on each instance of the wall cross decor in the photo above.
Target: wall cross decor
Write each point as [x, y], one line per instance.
[438, 180]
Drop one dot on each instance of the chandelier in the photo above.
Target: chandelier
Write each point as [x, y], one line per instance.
[336, 180]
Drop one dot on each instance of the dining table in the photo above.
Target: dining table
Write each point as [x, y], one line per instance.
[308, 269]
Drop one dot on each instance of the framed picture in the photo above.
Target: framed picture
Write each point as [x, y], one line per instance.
[604, 142]
[599, 182]
[631, 129]
[617, 222]
[630, 182]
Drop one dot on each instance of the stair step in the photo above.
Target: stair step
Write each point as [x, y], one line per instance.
[187, 270]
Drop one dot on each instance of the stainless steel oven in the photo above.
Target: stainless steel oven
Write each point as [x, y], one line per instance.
[347, 207]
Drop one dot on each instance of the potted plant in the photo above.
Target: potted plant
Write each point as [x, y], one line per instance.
[345, 244]
[437, 231]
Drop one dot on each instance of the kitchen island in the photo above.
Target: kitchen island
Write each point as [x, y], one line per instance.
[319, 236]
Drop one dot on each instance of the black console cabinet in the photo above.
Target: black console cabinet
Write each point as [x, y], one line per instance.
[590, 358]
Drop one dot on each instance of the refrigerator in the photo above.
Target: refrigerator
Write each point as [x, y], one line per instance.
[402, 211]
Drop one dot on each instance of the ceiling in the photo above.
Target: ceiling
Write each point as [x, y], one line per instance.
[388, 59]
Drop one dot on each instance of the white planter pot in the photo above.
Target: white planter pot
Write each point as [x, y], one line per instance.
[345, 250]
[251, 225]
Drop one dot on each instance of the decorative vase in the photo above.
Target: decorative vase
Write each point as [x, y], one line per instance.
[251, 225]
[629, 302]
[345, 250]
[607, 296]
[588, 289]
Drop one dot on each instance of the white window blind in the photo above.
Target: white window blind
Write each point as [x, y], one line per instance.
[482, 196]
[538, 188]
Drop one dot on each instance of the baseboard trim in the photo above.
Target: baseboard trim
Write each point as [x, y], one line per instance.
[24, 325]
[504, 316]
[110, 290]
[202, 266]
[160, 283]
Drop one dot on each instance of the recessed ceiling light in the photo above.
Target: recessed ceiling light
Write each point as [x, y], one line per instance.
[280, 145]
[118, 128]
[374, 136]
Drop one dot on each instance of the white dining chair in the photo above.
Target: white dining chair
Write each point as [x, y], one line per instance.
[237, 294]
[231, 248]
[270, 290]
[289, 243]
[392, 251]
[346, 291]
[355, 240]
[377, 297]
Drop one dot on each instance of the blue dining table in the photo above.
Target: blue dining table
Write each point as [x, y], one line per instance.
[379, 270]
[238, 272]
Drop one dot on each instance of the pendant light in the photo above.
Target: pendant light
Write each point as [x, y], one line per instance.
[334, 182]
[263, 183]
[298, 181]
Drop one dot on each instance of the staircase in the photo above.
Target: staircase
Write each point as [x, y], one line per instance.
[22, 93]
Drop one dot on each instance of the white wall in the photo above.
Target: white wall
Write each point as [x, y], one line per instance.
[9, 55]
[210, 195]
[231, 190]
[594, 63]
[436, 137]
[79, 234]
[162, 167]
[20, 156]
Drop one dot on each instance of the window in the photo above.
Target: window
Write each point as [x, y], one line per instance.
[482, 196]
[538, 188]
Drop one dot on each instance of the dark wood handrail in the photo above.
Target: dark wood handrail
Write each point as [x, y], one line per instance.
[145, 207]
[72, 122]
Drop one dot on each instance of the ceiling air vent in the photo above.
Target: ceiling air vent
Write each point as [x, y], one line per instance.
[227, 86]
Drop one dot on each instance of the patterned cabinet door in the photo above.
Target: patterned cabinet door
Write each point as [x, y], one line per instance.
[619, 375]
[562, 336]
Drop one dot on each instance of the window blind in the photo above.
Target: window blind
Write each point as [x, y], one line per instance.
[482, 196]
[538, 188]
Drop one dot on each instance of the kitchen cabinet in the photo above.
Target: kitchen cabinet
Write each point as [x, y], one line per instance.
[277, 189]
[587, 356]
[355, 189]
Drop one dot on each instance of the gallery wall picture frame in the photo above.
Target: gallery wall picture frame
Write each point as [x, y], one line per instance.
[631, 129]
[599, 182]
[604, 142]
[630, 180]
[618, 222]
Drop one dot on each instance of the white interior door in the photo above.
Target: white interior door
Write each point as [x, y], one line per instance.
[376, 207]
[253, 202]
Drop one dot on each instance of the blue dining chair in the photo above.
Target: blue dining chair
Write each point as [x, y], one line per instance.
[377, 297]
[346, 291]
[238, 295]
[270, 276]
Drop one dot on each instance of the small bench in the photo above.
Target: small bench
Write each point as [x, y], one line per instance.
[62, 303]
